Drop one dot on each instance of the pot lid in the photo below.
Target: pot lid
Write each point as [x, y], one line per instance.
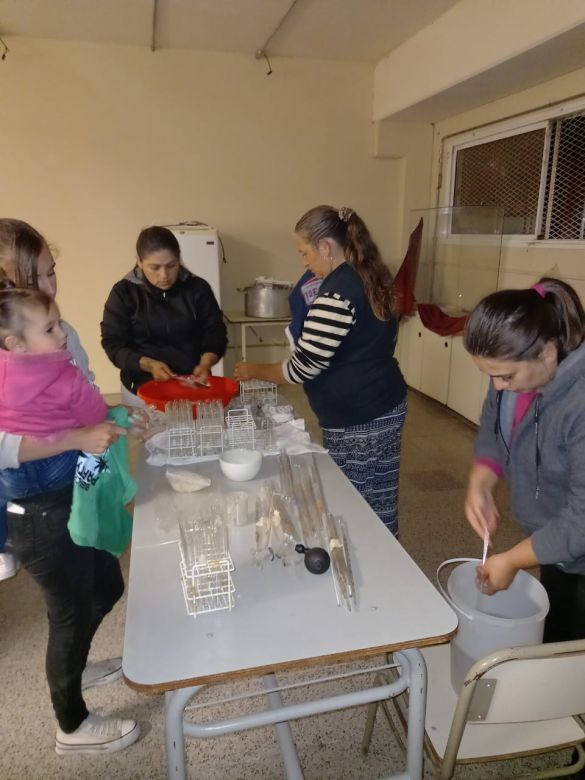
[264, 281]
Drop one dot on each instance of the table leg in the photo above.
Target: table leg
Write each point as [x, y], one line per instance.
[243, 339]
[414, 662]
[288, 748]
[175, 703]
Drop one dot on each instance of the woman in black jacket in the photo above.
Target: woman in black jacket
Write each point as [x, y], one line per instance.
[161, 320]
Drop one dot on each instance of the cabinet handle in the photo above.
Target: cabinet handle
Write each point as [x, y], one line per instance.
[446, 343]
[420, 335]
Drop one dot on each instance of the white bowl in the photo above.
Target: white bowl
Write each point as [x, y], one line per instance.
[240, 465]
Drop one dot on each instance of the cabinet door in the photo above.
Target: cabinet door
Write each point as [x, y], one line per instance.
[467, 385]
[435, 365]
[411, 350]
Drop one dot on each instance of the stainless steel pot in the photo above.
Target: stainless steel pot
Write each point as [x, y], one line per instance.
[266, 299]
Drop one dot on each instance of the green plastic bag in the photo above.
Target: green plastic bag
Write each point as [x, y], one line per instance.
[101, 488]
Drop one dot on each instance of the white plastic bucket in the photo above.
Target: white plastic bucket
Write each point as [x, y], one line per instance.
[509, 618]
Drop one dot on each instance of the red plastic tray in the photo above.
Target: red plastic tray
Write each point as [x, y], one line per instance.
[159, 393]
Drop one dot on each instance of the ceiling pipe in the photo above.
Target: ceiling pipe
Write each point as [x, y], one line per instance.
[261, 52]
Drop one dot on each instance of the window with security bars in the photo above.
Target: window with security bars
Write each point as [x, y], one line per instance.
[537, 177]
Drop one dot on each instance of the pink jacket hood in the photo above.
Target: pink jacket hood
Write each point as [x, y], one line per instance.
[41, 394]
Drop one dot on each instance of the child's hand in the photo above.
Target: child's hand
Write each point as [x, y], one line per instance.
[140, 422]
[96, 438]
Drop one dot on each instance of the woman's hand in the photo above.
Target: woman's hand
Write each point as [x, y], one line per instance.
[265, 372]
[497, 573]
[95, 438]
[480, 508]
[159, 370]
[244, 371]
[201, 374]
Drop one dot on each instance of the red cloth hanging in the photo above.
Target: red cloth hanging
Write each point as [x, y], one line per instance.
[433, 318]
[405, 278]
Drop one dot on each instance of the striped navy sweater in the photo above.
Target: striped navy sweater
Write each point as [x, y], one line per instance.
[344, 356]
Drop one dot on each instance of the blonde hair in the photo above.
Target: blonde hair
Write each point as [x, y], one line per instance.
[20, 248]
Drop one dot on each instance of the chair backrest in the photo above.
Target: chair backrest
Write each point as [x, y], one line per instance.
[522, 684]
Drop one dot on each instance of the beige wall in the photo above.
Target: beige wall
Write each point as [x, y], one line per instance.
[410, 144]
[98, 141]
[522, 262]
[470, 38]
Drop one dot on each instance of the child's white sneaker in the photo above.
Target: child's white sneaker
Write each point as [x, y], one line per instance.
[8, 565]
[98, 735]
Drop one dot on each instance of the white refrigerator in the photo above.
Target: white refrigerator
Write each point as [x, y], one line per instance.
[202, 255]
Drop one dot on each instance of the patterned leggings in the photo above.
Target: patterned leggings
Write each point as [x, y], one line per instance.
[369, 456]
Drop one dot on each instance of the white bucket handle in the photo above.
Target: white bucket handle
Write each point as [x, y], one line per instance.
[446, 596]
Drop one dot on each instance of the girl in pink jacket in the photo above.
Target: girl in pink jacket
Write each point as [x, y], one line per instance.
[42, 392]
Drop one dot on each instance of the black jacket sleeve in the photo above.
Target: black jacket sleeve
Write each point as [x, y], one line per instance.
[116, 329]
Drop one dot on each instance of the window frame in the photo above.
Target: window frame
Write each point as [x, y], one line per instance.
[507, 128]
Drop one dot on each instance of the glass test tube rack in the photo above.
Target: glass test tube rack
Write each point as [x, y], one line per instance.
[206, 564]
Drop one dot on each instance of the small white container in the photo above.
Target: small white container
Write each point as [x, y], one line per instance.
[240, 465]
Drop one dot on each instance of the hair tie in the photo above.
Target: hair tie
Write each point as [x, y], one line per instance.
[345, 213]
[539, 288]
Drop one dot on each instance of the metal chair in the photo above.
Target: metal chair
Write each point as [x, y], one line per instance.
[521, 701]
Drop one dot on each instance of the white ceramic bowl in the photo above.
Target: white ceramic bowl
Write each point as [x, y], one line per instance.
[240, 465]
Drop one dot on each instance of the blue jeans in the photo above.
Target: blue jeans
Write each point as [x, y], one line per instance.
[80, 585]
[32, 478]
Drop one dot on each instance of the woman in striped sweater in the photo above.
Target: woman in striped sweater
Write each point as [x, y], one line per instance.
[344, 356]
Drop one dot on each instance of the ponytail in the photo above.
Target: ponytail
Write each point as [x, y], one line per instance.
[516, 324]
[349, 230]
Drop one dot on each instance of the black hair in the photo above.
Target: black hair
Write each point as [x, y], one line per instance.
[154, 239]
[517, 324]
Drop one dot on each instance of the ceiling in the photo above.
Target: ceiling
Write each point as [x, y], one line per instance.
[353, 30]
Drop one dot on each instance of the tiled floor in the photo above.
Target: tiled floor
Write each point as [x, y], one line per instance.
[436, 455]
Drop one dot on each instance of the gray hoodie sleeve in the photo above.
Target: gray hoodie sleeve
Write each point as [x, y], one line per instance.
[562, 538]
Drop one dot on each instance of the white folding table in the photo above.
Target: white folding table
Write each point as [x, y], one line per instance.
[284, 618]
[254, 323]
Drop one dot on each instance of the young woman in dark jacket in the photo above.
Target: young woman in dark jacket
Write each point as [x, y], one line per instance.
[161, 320]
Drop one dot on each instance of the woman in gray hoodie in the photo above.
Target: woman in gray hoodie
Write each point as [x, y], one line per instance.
[532, 434]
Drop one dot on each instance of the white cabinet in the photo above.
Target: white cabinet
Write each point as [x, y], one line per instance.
[436, 363]
[440, 367]
[467, 385]
[411, 350]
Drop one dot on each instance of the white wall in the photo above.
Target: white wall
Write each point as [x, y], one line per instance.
[98, 141]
